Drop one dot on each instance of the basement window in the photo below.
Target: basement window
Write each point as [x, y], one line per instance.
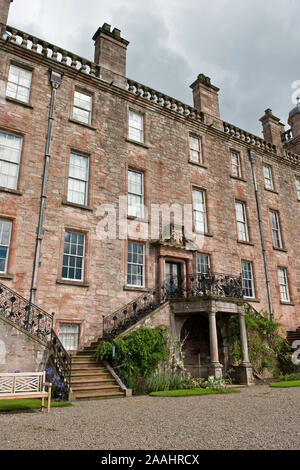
[68, 335]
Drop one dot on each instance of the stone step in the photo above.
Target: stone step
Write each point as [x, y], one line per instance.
[100, 388]
[106, 380]
[91, 381]
[87, 367]
[97, 395]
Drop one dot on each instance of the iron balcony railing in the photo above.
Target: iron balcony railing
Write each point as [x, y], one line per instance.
[62, 362]
[210, 284]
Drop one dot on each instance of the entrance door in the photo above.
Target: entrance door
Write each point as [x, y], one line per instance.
[173, 279]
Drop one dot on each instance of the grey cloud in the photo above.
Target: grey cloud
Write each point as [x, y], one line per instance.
[249, 49]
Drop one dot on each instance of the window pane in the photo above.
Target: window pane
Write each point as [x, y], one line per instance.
[73, 257]
[235, 164]
[136, 264]
[10, 155]
[78, 179]
[5, 235]
[195, 149]
[82, 110]
[241, 222]
[277, 241]
[283, 285]
[136, 126]
[68, 334]
[200, 219]
[248, 284]
[203, 264]
[19, 83]
[268, 177]
[135, 194]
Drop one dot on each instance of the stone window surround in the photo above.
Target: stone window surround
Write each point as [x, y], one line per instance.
[65, 201]
[84, 282]
[273, 189]
[282, 247]
[146, 267]
[138, 110]
[29, 68]
[204, 190]
[87, 182]
[241, 169]
[13, 233]
[23, 136]
[245, 205]
[80, 323]
[254, 285]
[86, 91]
[288, 285]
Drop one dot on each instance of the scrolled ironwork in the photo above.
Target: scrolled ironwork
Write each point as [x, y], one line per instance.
[24, 314]
[62, 362]
[211, 284]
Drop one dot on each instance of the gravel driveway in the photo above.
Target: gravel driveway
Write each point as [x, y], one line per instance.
[256, 418]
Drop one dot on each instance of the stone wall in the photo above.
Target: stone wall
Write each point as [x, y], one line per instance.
[20, 351]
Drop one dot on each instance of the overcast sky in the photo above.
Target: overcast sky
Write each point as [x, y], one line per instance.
[249, 48]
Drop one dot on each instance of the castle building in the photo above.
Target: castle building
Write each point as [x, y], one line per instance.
[89, 162]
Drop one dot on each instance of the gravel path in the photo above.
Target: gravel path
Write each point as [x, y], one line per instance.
[257, 418]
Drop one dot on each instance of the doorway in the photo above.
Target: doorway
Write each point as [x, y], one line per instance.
[173, 279]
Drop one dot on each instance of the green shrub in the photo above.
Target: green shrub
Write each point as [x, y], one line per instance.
[267, 347]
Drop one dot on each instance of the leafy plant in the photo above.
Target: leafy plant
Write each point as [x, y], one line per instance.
[214, 383]
[267, 347]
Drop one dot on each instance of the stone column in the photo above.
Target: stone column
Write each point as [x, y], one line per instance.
[215, 368]
[245, 372]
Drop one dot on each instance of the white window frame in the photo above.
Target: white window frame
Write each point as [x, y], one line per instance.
[5, 246]
[283, 284]
[200, 262]
[136, 210]
[298, 187]
[276, 231]
[200, 212]
[81, 108]
[82, 180]
[132, 263]
[242, 224]
[76, 256]
[196, 150]
[136, 131]
[18, 84]
[269, 183]
[69, 338]
[249, 280]
[8, 162]
[235, 167]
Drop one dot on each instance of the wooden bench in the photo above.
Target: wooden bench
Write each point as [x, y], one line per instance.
[25, 385]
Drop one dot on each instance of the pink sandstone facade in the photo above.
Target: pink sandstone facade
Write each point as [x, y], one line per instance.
[118, 127]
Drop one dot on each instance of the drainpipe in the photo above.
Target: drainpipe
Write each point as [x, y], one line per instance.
[55, 81]
[252, 158]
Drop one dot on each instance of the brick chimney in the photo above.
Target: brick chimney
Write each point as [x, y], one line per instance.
[294, 122]
[206, 98]
[4, 9]
[110, 54]
[272, 128]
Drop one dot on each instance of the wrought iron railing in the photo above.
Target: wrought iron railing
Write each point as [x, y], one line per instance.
[24, 314]
[62, 362]
[212, 284]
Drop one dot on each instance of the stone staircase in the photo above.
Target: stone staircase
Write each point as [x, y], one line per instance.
[91, 379]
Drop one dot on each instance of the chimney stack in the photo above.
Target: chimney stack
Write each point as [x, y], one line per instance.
[206, 99]
[4, 9]
[272, 128]
[110, 54]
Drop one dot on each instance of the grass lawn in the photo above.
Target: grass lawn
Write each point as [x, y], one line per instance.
[29, 404]
[286, 384]
[191, 392]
